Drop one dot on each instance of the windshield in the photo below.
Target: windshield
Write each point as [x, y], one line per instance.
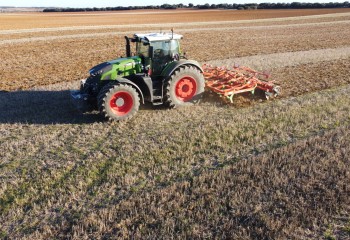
[167, 48]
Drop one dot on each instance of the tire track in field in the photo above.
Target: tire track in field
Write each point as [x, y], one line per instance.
[286, 59]
[157, 25]
[184, 30]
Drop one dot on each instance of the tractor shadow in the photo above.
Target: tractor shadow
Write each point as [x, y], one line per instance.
[56, 107]
[42, 107]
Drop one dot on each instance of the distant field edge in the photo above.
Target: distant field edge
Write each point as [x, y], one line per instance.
[53, 20]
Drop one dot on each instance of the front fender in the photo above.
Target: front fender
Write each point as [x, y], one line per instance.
[170, 68]
[127, 81]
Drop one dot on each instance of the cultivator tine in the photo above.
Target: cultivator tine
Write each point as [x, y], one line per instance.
[229, 82]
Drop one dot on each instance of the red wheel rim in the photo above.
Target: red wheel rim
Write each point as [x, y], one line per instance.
[121, 103]
[186, 88]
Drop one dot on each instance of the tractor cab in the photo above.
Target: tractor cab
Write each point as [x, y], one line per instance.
[156, 50]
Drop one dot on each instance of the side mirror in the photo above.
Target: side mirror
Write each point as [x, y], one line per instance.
[185, 55]
[150, 52]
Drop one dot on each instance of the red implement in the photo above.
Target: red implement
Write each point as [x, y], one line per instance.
[228, 82]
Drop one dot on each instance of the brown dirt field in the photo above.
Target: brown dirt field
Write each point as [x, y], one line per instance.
[35, 20]
[29, 64]
[313, 77]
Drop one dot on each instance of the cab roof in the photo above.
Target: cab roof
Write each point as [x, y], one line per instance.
[153, 37]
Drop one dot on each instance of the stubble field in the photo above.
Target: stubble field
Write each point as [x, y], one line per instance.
[250, 170]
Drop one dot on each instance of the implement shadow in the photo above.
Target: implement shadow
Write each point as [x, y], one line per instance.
[41, 107]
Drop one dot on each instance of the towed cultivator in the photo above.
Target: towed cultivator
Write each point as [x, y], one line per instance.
[229, 82]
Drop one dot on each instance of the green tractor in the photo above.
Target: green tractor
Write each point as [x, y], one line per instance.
[157, 72]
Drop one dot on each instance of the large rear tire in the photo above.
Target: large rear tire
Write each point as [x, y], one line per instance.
[185, 87]
[118, 101]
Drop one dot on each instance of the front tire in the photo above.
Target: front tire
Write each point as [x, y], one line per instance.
[118, 102]
[185, 87]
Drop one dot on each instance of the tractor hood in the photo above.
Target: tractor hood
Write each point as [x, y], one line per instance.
[117, 68]
[100, 68]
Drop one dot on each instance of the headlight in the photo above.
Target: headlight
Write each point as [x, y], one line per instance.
[93, 74]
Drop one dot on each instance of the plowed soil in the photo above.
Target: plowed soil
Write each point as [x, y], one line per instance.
[65, 55]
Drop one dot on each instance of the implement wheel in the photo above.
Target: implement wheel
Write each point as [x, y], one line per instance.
[118, 102]
[185, 87]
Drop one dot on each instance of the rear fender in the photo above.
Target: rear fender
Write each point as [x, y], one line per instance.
[170, 68]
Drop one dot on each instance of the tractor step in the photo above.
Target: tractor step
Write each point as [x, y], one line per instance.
[157, 103]
[157, 100]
